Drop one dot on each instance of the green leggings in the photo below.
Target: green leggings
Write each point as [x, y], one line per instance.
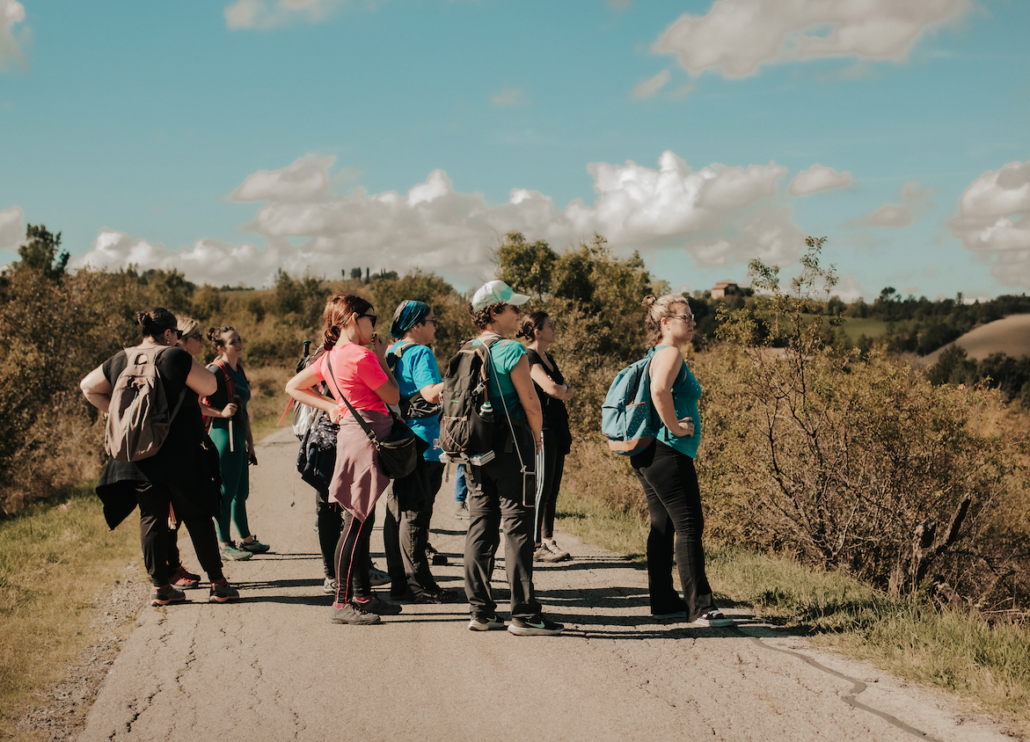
[235, 482]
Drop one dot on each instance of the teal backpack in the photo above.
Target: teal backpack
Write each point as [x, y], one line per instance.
[628, 418]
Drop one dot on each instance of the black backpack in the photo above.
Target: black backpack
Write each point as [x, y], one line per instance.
[463, 431]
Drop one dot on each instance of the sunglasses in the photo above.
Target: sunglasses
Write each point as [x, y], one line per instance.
[370, 317]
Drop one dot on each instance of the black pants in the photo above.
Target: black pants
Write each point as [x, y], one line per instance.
[409, 511]
[495, 498]
[554, 468]
[329, 518]
[674, 503]
[153, 500]
[353, 558]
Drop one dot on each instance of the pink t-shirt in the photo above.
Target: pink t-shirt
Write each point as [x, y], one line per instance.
[358, 373]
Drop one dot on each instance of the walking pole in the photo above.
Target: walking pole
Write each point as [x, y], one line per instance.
[232, 449]
[539, 489]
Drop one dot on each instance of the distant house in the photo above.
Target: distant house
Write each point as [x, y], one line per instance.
[725, 288]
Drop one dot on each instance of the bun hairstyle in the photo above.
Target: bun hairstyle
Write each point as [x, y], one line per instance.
[485, 316]
[531, 324]
[337, 314]
[657, 310]
[154, 322]
[214, 334]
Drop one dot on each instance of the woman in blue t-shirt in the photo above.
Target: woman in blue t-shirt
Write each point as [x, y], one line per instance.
[666, 471]
[409, 506]
[498, 490]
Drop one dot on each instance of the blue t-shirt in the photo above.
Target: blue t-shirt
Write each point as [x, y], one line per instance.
[686, 391]
[416, 368]
[504, 354]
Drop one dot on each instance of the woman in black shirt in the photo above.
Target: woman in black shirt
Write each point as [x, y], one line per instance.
[169, 477]
[553, 391]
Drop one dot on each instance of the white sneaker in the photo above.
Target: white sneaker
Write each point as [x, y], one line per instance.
[714, 617]
[557, 554]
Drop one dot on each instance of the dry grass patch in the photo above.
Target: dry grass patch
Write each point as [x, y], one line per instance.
[56, 560]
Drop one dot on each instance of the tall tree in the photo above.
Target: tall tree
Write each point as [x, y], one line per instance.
[40, 252]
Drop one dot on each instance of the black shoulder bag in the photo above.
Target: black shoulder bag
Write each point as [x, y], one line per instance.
[398, 454]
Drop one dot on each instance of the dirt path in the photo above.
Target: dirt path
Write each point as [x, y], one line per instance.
[273, 667]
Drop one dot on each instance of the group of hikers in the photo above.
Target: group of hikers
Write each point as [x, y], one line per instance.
[352, 394]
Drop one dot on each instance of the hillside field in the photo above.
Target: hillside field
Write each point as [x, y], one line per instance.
[1010, 336]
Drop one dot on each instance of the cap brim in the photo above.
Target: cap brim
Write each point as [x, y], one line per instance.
[517, 299]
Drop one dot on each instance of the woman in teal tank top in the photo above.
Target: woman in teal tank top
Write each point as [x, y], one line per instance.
[666, 472]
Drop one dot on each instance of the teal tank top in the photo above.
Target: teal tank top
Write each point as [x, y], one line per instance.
[686, 391]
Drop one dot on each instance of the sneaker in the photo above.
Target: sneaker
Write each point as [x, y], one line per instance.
[166, 595]
[222, 593]
[378, 577]
[184, 580]
[541, 554]
[486, 623]
[714, 617]
[556, 551]
[462, 513]
[435, 558]
[229, 551]
[535, 626]
[255, 546]
[329, 586]
[351, 614]
[427, 597]
[377, 605]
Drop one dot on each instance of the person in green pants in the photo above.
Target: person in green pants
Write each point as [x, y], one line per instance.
[231, 434]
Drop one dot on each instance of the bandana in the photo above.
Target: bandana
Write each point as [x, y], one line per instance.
[408, 314]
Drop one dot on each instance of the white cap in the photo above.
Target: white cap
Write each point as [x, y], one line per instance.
[496, 292]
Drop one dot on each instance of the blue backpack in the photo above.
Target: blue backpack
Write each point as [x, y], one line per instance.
[628, 418]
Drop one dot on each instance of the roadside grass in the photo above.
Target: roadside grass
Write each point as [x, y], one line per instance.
[962, 653]
[56, 559]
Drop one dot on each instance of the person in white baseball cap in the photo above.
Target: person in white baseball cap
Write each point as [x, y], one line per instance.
[496, 292]
[496, 494]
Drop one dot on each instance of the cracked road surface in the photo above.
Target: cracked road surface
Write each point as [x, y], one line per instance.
[272, 667]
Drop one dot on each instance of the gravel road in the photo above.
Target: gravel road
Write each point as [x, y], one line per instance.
[272, 667]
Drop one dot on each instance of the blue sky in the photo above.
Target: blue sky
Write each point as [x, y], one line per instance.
[228, 139]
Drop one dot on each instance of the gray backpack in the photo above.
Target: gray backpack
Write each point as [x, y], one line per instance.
[138, 420]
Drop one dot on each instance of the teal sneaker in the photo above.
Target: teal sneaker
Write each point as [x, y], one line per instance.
[230, 552]
[255, 546]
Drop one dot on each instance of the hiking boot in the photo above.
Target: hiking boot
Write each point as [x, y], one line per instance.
[435, 558]
[556, 551]
[184, 580]
[377, 605]
[486, 623]
[166, 595]
[230, 552]
[534, 626]
[255, 546]
[378, 577]
[714, 617]
[222, 593]
[329, 586]
[351, 614]
[462, 513]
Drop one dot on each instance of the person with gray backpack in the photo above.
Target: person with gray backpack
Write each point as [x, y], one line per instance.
[492, 422]
[154, 438]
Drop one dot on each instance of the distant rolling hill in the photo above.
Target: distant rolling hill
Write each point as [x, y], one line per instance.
[1010, 336]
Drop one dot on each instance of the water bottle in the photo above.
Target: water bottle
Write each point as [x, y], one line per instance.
[486, 413]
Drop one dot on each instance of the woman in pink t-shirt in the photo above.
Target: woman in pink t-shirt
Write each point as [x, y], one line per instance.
[363, 377]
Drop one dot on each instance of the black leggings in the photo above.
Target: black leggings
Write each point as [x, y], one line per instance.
[329, 517]
[353, 558]
[554, 468]
[154, 499]
[674, 503]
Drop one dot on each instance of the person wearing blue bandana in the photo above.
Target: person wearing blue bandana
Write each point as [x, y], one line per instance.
[409, 505]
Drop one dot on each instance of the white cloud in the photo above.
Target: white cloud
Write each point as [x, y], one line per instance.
[11, 13]
[510, 98]
[994, 222]
[11, 231]
[649, 87]
[305, 179]
[738, 36]
[818, 178]
[451, 233]
[915, 200]
[265, 14]
[849, 289]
